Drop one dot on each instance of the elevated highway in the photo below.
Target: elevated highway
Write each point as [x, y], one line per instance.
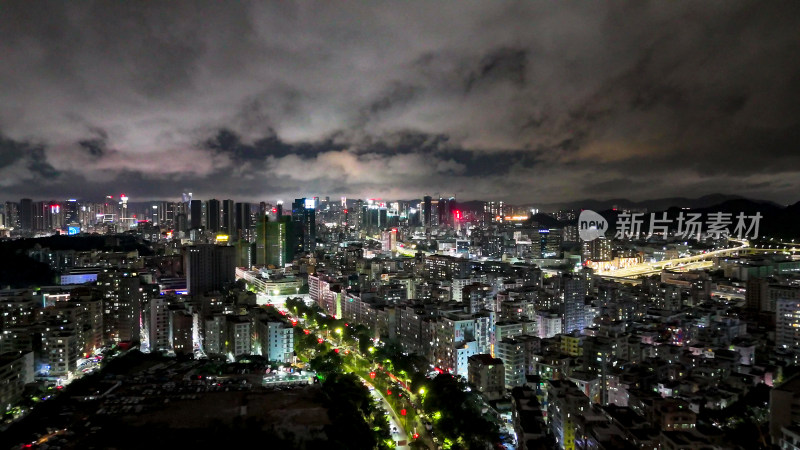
[699, 261]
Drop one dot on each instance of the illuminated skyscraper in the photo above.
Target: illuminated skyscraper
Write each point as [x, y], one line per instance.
[304, 219]
[12, 215]
[787, 330]
[597, 250]
[574, 291]
[71, 208]
[275, 242]
[494, 212]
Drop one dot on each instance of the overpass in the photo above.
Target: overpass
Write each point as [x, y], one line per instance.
[699, 261]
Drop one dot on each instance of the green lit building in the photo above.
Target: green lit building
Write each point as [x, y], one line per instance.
[274, 242]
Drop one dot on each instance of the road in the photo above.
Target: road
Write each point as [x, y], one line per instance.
[700, 261]
[394, 420]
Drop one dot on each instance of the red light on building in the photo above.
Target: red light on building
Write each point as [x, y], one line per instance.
[403, 412]
[345, 211]
[320, 340]
[457, 213]
[274, 210]
[372, 375]
[307, 331]
[336, 350]
[294, 323]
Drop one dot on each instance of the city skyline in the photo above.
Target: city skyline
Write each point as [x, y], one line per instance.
[463, 225]
[505, 101]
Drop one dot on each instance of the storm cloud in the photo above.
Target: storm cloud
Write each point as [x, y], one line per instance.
[521, 101]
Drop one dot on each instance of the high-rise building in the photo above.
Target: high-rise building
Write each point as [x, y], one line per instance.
[181, 222]
[275, 340]
[275, 242]
[71, 208]
[245, 253]
[196, 214]
[784, 411]
[124, 313]
[787, 329]
[26, 214]
[182, 326]
[38, 216]
[494, 212]
[156, 321]
[170, 213]
[566, 406]
[445, 211]
[228, 223]
[242, 224]
[550, 242]
[426, 211]
[214, 215]
[53, 216]
[12, 215]
[60, 350]
[574, 292]
[16, 370]
[209, 267]
[155, 214]
[512, 353]
[304, 219]
[239, 334]
[597, 250]
[487, 374]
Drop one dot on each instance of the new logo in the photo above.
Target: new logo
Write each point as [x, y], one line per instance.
[591, 225]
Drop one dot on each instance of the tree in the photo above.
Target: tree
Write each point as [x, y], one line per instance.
[460, 418]
[327, 362]
[356, 422]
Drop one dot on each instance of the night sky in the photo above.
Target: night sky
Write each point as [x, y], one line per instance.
[519, 101]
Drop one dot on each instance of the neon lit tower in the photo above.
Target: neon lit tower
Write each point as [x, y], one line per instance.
[124, 202]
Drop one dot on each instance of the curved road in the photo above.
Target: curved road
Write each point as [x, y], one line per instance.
[654, 267]
[394, 420]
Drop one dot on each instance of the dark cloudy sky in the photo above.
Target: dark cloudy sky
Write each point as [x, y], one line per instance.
[521, 101]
